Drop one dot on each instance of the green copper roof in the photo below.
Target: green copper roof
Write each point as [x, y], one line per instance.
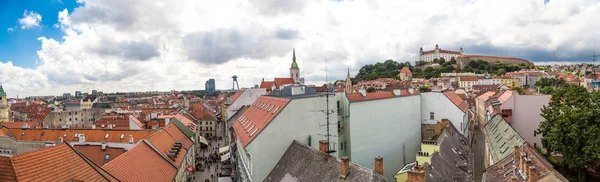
[294, 64]
[2, 90]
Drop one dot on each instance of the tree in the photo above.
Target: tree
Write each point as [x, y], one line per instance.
[452, 60]
[571, 126]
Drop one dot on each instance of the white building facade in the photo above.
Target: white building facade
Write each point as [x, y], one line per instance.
[438, 53]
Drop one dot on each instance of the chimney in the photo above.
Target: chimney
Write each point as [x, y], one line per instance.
[103, 146]
[81, 138]
[60, 140]
[411, 91]
[532, 175]
[110, 126]
[397, 92]
[513, 178]
[93, 127]
[379, 165]
[516, 154]
[323, 146]
[527, 166]
[522, 162]
[130, 139]
[345, 167]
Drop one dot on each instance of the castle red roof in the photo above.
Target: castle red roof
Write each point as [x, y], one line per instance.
[266, 85]
[257, 117]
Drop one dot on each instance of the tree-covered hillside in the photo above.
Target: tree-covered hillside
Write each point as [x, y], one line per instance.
[387, 69]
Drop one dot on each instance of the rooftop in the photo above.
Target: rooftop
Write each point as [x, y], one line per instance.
[257, 117]
[303, 163]
[508, 167]
[141, 163]
[454, 161]
[43, 165]
[114, 135]
[97, 155]
[457, 100]
[501, 137]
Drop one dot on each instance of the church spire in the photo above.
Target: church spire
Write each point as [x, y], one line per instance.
[294, 55]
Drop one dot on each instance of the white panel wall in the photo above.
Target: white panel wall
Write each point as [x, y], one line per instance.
[247, 98]
[300, 118]
[442, 108]
[383, 128]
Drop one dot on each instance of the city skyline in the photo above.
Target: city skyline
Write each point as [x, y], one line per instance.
[53, 47]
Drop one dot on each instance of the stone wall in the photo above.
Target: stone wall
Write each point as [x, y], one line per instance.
[464, 60]
[19, 147]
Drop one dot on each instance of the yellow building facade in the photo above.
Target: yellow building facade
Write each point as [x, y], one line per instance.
[3, 105]
[509, 82]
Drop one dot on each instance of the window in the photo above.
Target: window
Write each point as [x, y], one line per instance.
[534, 134]
[431, 116]
[106, 158]
[122, 135]
[106, 136]
[69, 113]
[70, 119]
[338, 108]
[75, 113]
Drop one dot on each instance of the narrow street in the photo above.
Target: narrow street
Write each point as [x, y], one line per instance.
[478, 149]
[211, 168]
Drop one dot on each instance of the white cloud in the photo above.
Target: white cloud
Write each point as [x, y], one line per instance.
[30, 19]
[9, 29]
[114, 45]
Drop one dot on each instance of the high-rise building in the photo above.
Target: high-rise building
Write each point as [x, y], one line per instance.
[3, 105]
[77, 94]
[210, 85]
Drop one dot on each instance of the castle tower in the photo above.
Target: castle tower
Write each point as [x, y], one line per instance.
[437, 51]
[294, 70]
[461, 51]
[3, 105]
[348, 83]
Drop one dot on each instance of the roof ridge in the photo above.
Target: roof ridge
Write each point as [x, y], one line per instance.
[14, 168]
[92, 164]
[159, 153]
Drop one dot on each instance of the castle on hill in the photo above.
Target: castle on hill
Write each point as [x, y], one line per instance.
[464, 59]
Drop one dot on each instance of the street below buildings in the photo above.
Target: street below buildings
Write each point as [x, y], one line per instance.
[478, 149]
[209, 157]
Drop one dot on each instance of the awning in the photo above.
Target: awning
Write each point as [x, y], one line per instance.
[203, 140]
[225, 157]
[224, 149]
[225, 179]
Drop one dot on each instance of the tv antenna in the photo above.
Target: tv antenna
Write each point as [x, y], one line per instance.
[327, 112]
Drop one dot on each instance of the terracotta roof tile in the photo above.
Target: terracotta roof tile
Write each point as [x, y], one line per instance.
[457, 100]
[163, 142]
[19, 124]
[141, 163]
[187, 122]
[201, 112]
[7, 172]
[178, 135]
[237, 95]
[136, 121]
[97, 155]
[486, 96]
[58, 163]
[69, 135]
[468, 78]
[267, 85]
[257, 117]
[370, 96]
[405, 70]
[283, 81]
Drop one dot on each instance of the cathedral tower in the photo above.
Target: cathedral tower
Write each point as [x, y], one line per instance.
[294, 70]
[3, 105]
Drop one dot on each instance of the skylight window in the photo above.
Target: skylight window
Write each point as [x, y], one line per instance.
[106, 136]
[122, 135]
[276, 109]
[255, 129]
[270, 108]
[250, 128]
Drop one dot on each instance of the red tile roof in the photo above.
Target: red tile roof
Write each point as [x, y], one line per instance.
[406, 71]
[19, 124]
[186, 121]
[457, 100]
[163, 142]
[201, 112]
[90, 135]
[468, 78]
[178, 135]
[141, 163]
[257, 117]
[136, 121]
[370, 96]
[117, 123]
[284, 81]
[7, 172]
[486, 96]
[403, 93]
[58, 163]
[97, 155]
[237, 95]
[267, 85]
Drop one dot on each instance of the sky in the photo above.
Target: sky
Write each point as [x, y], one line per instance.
[50, 47]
